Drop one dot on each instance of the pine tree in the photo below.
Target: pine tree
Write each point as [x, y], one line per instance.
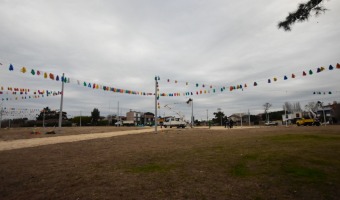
[302, 13]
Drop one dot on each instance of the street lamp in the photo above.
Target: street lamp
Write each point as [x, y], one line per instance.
[192, 111]
[1, 111]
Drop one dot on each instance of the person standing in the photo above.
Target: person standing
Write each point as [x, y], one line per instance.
[231, 123]
[226, 123]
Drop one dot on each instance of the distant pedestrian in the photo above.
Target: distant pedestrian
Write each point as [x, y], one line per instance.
[226, 123]
[231, 123]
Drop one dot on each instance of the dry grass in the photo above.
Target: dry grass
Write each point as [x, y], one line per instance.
[262, 163]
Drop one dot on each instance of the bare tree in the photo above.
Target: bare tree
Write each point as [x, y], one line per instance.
[297, 107]
[312, 106]
[288, 107]
[302, 13]
[292, 107]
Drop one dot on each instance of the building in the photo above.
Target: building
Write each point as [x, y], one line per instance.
[140, 118]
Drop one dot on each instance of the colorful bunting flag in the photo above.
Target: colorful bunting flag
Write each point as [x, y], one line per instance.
[23, 70]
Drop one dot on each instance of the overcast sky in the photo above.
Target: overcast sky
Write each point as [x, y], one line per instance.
[125, 44]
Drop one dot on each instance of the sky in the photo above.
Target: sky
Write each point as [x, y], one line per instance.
[126, 44]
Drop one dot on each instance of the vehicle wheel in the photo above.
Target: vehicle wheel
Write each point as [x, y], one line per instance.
[298, 124]
[164, 126]
[170, 127]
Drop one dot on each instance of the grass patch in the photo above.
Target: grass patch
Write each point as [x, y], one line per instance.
[305, 174]
[299, 137]
[240, 170]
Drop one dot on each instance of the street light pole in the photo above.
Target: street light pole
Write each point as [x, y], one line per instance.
[286, 115]
[156, 98]
[190, 100]
[1, 111]
[61, 102]
[192, 113]
[44, 118]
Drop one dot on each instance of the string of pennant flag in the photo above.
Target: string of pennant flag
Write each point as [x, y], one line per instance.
[201, 89]
[10, 112]
[88, 84]
[6, 93]
[208, 89]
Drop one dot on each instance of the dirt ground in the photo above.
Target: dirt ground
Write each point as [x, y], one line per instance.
[198, 163]
[39, 132]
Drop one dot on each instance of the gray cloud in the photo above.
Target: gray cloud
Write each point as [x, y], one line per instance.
[124, 44]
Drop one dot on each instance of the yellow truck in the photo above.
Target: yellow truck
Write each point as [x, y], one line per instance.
[307, 122]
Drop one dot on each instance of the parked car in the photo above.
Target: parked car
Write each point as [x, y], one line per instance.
[271, 123]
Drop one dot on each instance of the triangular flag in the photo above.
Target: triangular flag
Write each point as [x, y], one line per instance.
[304, 73]
[338, 66]
[285, 78]
[269, 81]
[255, 84]
[310, 72]
[331, 67]
[23, 70]
[11, 68]
[293, 75]
[51, 76]
[32, 72]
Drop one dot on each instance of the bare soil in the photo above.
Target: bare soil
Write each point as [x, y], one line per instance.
[258, 163]
[39, 132]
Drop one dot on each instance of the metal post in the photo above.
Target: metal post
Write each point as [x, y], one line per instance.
[324, 116]
[80, 119]
[241, 118]
[1, 111]
[61, 102]
[156, 104]
[118, 118]
[207, 116]
[248, 117]
[192, 113]
[44, 118]
[286, 115]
